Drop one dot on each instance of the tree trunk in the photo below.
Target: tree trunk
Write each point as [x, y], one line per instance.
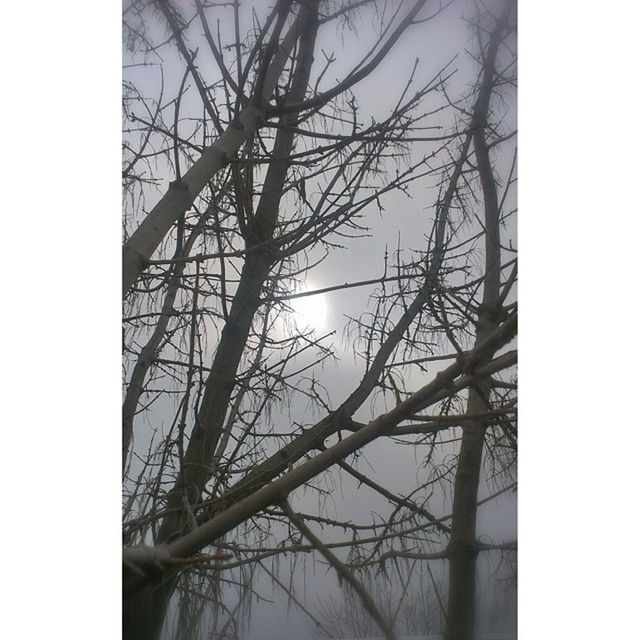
[143, 612]
[146, 609]
[462, 550]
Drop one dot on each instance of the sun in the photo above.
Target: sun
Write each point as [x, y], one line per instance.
[310, 311]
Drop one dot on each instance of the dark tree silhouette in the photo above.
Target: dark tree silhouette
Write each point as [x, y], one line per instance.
[272, 167]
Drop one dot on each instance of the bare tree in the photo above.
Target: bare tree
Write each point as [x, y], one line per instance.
[272, 168]
[462, 548]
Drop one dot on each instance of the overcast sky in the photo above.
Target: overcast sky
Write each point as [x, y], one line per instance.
[405, 223]
[62, 417]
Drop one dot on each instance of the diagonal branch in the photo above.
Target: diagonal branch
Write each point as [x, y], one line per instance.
[141, 245]
[274, 492]
[353, 78]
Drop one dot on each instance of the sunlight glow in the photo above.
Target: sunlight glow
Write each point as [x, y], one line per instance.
[310, 311]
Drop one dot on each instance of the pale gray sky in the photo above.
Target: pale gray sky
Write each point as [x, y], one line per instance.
[405, 223]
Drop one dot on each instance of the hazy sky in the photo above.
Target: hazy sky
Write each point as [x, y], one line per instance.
[405, 223]
[62, 437]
